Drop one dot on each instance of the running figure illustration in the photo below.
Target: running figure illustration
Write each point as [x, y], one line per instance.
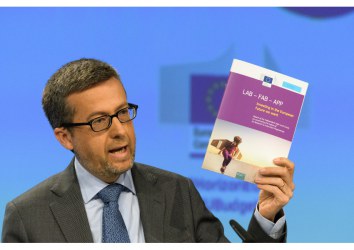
[228, 151]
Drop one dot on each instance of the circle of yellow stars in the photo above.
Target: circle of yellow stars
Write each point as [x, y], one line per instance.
[216, 86]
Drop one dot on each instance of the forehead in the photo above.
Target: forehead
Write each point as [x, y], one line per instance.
[104, 97]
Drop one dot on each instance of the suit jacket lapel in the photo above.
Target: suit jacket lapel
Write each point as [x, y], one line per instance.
[68, 207]
[151, 203]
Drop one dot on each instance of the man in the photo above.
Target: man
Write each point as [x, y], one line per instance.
[103, 195]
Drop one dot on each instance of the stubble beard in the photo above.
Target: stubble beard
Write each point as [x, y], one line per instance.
[110, 170]
[107, 172]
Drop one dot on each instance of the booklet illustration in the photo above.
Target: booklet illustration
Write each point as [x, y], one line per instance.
[256, 121]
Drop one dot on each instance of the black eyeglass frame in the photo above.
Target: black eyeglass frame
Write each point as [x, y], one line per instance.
[130, 106]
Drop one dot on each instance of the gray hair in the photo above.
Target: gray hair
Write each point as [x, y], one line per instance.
[73, 77]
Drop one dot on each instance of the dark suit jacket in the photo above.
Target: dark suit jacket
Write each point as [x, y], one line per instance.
[170, 206]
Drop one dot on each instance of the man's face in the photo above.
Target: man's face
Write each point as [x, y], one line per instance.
[108, 153]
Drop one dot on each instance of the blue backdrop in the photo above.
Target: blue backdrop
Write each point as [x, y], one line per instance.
[158, 51]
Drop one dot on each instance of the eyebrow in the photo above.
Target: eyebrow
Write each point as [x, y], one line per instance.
[101, 113]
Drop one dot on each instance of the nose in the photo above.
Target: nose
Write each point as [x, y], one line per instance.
[117, 128]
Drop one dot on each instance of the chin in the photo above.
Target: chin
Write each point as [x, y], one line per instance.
[120, 168]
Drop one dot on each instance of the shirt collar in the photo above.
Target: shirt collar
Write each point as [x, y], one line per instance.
[90, 185]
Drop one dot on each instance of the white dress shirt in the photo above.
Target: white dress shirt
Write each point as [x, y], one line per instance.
[128, 204]
[274, 230]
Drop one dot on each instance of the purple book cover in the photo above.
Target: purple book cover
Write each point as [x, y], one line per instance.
[256, 121]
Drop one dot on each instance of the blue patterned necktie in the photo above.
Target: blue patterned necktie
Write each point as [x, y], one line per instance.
[113, 226]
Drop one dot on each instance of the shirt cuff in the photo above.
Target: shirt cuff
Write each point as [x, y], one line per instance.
[274, 230]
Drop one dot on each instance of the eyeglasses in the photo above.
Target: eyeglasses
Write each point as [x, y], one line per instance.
[105, 121]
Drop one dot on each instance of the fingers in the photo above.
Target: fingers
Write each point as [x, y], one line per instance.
[285, 162]
[284, 172]
[276, 185]
[274, 181]
[281, 197]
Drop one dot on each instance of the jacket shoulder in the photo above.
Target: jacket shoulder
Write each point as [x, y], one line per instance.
[38, 192]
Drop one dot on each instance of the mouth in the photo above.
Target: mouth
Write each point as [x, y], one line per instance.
[119, 153]
[118, 150]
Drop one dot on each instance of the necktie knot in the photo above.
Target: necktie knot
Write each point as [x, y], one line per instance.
[110, 193]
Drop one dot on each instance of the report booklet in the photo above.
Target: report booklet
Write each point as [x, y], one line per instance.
[256, 121]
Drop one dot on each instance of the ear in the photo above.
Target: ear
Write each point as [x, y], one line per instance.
[64, 137]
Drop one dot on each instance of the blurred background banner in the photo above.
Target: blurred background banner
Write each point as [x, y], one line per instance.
[174, 63]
